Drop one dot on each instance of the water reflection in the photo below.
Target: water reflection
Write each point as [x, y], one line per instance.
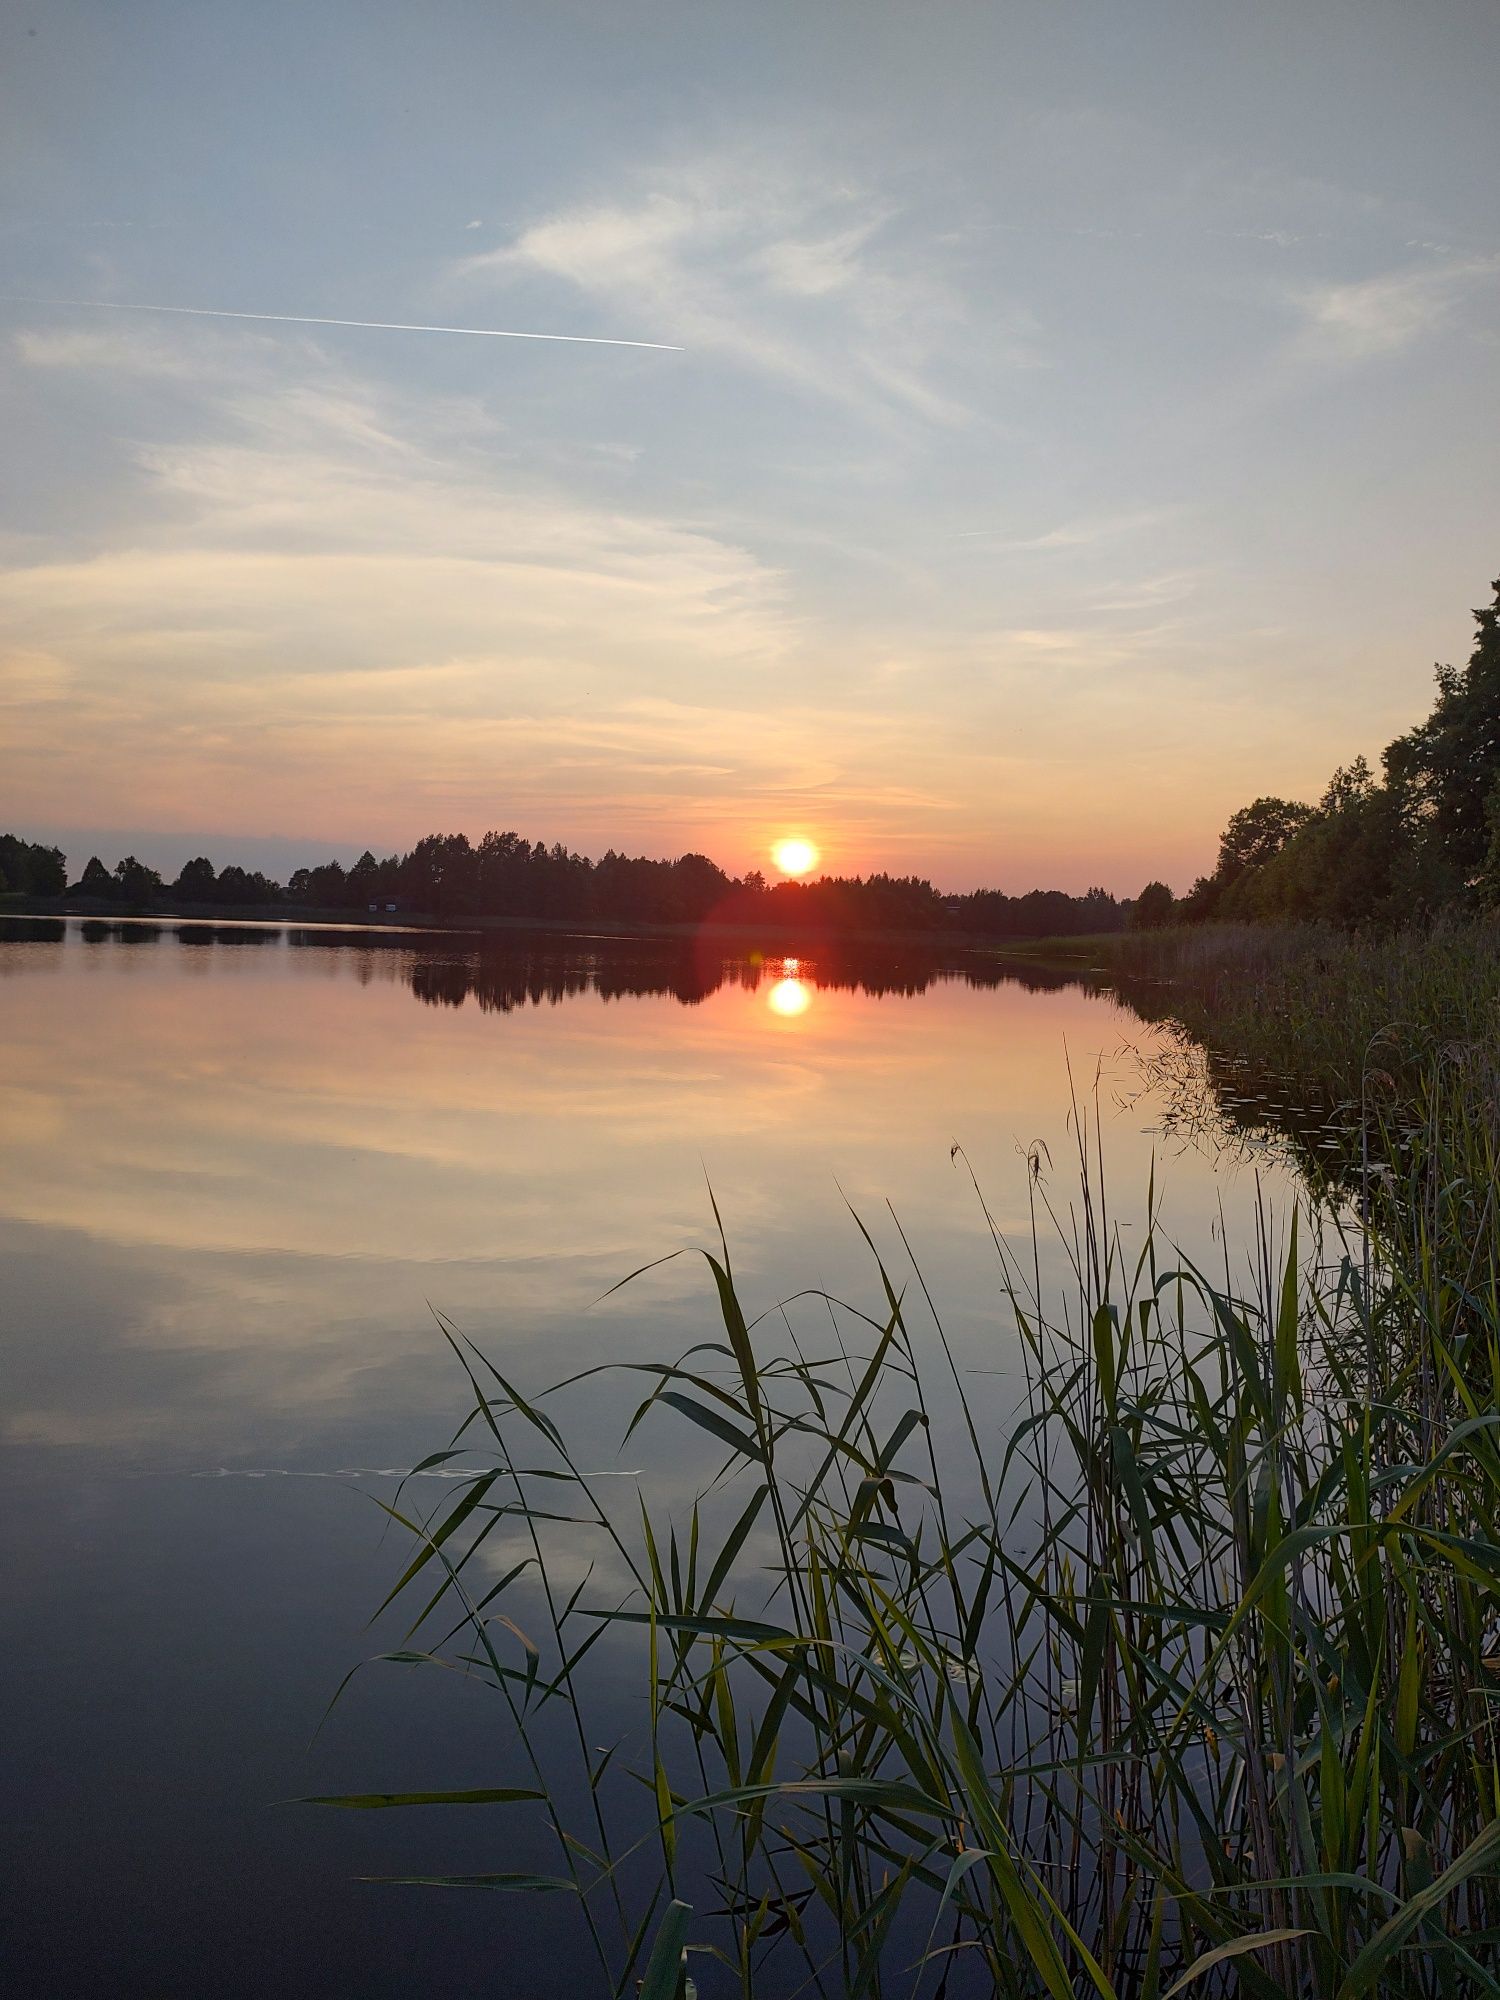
[503, 971]
[237, 1165]
[547, 971]
[1206, 1099]
[789, 998]
[1233, 1109]
[101, 930]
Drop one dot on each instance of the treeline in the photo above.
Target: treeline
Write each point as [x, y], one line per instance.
[504, 875]
[29, 869]
[134, 885]
[1421, 837]
[1039, 913]
[450, 877]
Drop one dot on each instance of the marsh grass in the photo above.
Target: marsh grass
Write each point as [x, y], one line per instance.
[1325, 1006]
[1185, 1671]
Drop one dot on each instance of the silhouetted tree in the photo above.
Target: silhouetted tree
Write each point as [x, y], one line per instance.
[1256, 833]
[362, 883]
[1152, 908]
[32, 869]
[1348, 862]
[324, 888]
[135, 882]
[239, 887]
[1451, 762]
[1423, 837]
[1254, 836]
[49, 871]
[1038, 913]
[196, 882]
[441, 874]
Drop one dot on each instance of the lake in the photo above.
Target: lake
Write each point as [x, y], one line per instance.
[242, 1169]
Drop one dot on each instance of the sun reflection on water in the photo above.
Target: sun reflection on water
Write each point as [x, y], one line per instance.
[789, 997]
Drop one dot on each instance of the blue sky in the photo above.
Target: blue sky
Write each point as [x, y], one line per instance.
[1085, 420]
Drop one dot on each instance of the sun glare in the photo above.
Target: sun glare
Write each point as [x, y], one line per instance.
[789, 997]
[794, 857]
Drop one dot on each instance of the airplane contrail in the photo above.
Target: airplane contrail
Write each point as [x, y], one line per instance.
[373, 325]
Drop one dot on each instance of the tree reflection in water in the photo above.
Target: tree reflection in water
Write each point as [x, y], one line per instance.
[554, 969]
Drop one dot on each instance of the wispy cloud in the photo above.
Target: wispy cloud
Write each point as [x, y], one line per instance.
[774, 264]
[1085, 532]
[123, 349]
[333, 591]
[1148, 593]
[335, 606]
[1388, 313]
[30, 678]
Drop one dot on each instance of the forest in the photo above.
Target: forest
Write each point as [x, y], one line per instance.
[506, 876]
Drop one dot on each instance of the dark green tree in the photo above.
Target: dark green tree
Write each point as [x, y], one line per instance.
[1254, 836]
[135, 882]
[197, 881]
[15, 859]
[96, 879]
[1451, 761]
[1153, 907]
[32, 869]
[1256, 833]
[49, 871]
[441, 874]
[324, 888]
[362, 883]
[1348, 863]
[698, 884]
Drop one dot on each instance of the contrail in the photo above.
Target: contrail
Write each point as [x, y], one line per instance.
[373, 325]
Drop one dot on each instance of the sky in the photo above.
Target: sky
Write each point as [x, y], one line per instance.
[1069, 421]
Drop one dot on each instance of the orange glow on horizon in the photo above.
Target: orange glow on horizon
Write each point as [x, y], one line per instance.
[794, 856]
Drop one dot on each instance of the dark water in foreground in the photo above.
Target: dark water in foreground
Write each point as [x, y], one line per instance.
[238, 1166]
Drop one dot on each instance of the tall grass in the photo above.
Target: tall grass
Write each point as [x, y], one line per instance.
[1324, 1005]
[1188, 1672]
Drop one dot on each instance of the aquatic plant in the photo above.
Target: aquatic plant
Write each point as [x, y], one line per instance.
[1330, 1008]
[1186, 1672]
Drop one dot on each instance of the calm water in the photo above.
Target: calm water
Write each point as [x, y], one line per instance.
[238, 1168]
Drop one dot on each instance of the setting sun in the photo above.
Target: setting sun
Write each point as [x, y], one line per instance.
[794, 857]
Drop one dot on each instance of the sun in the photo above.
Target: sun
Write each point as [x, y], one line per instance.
[794, 857]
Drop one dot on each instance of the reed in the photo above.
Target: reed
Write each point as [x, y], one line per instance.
[1324, 1005]
[1187, 1673]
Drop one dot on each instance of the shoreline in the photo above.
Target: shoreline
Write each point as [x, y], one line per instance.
[288, 916]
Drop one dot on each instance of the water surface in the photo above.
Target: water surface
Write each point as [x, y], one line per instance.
[240, 1167]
